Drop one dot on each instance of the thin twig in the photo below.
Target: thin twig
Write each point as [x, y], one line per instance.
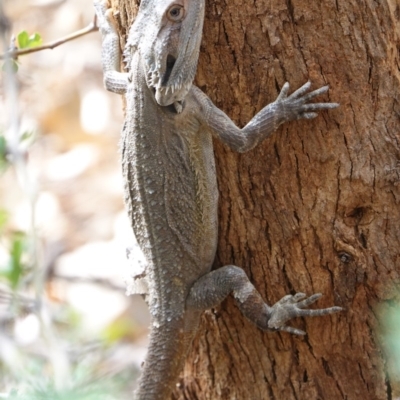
[14, 54]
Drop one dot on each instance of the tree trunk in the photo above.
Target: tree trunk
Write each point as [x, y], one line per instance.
[315, 208]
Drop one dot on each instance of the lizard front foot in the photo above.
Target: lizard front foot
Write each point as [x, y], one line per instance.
[293, 306]
[296, 105]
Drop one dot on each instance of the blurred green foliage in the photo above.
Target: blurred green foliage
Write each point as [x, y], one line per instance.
[3, 219]
[13, 270]
[389, 314]
[3, 154]
[26, 41]
[118, 330]
[89, 379]
[83, 387]
[10, 65]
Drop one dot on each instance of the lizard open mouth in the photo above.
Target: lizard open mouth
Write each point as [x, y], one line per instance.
[170, 65]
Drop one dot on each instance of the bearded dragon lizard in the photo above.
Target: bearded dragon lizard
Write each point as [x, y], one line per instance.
[170, 181]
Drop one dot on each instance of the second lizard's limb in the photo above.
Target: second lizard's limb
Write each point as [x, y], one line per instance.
[114, 81]
[213, 287]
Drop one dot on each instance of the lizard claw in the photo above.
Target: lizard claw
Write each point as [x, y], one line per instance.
[293, 306]
[296, 105]
[284, 92]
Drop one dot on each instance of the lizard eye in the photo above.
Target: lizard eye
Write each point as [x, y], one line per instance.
[176, 13]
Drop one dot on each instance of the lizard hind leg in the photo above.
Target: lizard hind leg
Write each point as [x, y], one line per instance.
[212, 288]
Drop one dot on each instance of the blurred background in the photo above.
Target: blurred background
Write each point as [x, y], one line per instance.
[67, 328]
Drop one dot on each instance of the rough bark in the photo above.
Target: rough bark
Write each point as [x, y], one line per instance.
[315, 208]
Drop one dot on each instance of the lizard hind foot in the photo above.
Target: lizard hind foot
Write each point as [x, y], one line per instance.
[293, 306]
[212, 288]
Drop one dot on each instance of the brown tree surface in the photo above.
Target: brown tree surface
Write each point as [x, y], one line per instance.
[315, 208]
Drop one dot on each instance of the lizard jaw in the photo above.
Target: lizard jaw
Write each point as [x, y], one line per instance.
[167, 91]
[167, 95]
[170, 93]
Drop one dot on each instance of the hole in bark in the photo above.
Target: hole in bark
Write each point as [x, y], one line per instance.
[397, 13]
[388, 388]
[326, 368]
[277, 153]
[357, 213]
[359, 216]
[344, 257]
[305, 377]
[363, 240]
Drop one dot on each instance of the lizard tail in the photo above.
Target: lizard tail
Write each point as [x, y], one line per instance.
[169, 344]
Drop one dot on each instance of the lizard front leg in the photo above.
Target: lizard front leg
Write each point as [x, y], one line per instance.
[212, 288]
[284, 109]
[114, 81]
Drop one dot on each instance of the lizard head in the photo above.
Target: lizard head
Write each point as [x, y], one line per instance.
[168, 35]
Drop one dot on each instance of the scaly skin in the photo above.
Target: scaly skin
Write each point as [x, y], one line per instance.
[170, 182]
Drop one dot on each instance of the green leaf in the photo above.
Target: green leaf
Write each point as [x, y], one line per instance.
[10, 65]
[3, 146]
[117, 330]
[23, 39]
[27, 135]
[17, 251]
[3, 218]
[35, 40]
[3, 154]
[15, 266]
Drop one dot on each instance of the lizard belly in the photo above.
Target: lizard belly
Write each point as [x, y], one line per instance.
[171, 194]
